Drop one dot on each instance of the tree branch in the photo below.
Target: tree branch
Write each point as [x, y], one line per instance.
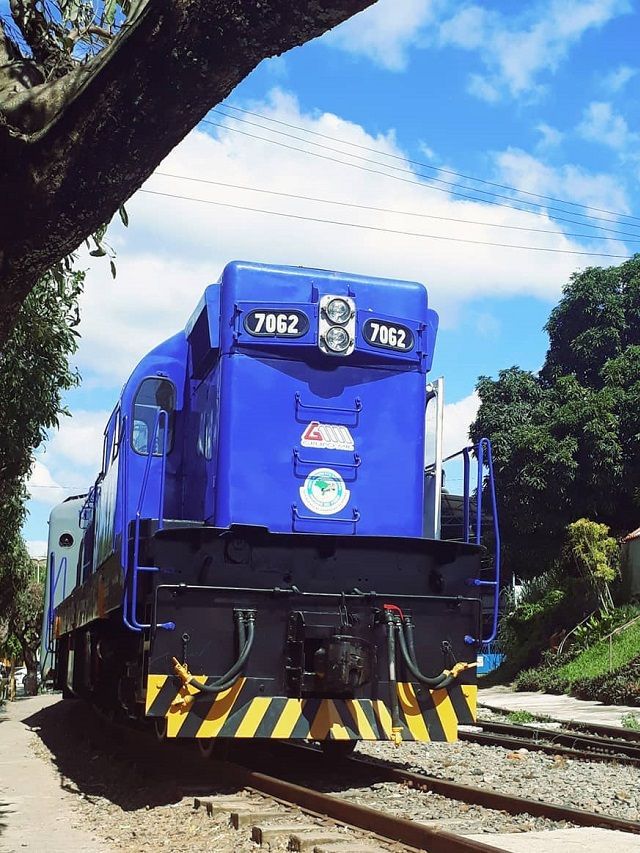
[74, 149]
[39, 33]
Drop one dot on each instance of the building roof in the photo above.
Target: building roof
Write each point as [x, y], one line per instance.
[635, 534]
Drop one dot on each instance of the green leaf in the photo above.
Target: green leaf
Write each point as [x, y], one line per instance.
[98, 253]
[109, 12]
[124, 216]
[113, 268]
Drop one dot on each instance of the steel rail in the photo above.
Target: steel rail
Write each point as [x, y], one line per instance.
[386, 826]
[491, 799]
[605, 731]
[616, 732]
[547, 743]
[562, 737]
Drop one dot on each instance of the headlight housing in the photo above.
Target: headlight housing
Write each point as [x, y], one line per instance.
[337, 325]
[338, 311]
[337, 339]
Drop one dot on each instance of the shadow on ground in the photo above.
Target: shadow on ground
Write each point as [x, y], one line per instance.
[95, 759]
[129, 768]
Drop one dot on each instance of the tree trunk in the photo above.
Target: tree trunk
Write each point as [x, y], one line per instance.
[73, 150]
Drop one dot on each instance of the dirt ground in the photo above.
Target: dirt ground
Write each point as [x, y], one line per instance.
[39, 810]
[62, 789]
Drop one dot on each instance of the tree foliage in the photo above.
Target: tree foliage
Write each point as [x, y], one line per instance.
[595, 554]
[565, 440]
[93, 95]
[21, 620]
[34, 373]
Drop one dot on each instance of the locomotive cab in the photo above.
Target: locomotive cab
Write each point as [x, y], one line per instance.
[261, 563]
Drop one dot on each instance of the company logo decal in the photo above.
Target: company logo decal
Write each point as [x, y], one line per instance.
[329, 436]
[324, 492]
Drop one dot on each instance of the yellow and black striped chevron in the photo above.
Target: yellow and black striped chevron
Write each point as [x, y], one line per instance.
[426, 715]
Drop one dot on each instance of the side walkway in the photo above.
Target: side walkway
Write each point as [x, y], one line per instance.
[558, 707]
[36, 813]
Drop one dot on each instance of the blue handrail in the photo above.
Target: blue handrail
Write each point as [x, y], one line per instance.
[54, 577]
[482, 451]
[130, 609]
[484, 445]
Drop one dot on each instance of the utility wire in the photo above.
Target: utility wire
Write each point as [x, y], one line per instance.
[409, 181]
[411, 172]
[380, 229]
[429, 165]
[383, 209]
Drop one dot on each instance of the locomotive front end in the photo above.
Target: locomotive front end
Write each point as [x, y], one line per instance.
[261, 553]
[308, 604]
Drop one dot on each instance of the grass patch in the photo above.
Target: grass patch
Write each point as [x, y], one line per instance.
[520, 717]
[631, 721]
[600, 659]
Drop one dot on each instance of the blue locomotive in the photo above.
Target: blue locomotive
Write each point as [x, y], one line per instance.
[260, 555]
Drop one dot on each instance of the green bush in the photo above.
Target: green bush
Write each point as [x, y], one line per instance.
[587, 675]
[595, 660]
[619, 687]
[549, 603]
[546, 680]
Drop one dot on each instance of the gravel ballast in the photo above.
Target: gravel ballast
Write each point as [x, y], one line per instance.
[607, 788]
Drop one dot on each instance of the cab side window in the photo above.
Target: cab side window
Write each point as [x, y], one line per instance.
[154, 394]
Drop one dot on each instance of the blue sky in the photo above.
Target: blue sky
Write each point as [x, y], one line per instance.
[541, 96]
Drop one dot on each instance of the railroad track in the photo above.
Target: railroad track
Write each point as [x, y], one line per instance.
[608, 732]
[279, 775]
[580, 746]
[485, 797]
[379, 825]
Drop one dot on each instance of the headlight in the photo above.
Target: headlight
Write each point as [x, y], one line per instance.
[337, 339]
[338, 311]
[337, 325]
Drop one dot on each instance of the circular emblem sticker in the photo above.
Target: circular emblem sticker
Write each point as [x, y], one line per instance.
[324, 492]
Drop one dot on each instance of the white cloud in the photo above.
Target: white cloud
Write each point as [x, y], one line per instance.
[602, 124]
[482, 88]
[385, 31]
[617, 79]
[42, 487]
[70, 460]
[517, 49]
[174, 248]
[487, 325]
[520, 169]
[551, 136]
[37, 548]
[458, 417]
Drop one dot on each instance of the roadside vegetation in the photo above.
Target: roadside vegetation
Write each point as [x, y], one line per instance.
[568, 475]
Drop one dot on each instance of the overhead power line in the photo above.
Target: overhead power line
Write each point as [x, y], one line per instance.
[412, 172]
[376, 228]
[395, 211]
[424, 165]
[414, 182]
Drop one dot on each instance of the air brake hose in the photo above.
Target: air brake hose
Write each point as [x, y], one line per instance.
[227, 680]
[396, 726]
[436, 682]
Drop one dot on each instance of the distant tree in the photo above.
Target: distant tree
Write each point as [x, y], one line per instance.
[95, 93]
[566, 439]
[595, 555]
[21, 621]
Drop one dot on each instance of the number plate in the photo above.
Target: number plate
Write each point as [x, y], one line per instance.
[393, 336]
[276, 324]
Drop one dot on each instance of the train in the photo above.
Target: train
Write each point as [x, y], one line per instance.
[261, 555]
